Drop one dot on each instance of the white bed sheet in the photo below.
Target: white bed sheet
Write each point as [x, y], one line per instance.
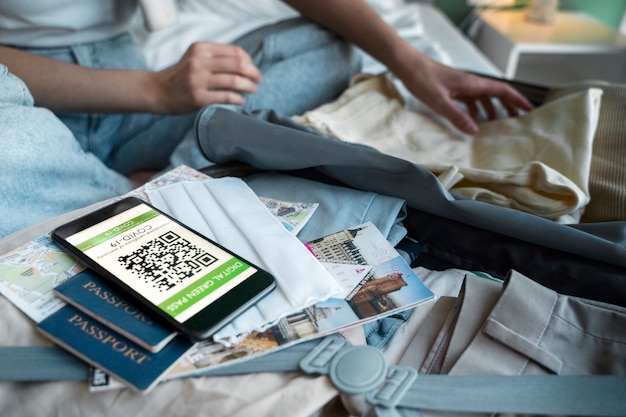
[271, 395]
[425, 26]
[460, 51]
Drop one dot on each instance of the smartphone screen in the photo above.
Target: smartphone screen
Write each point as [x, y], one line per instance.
[176, 270]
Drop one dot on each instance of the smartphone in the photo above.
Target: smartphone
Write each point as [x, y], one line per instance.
[183, 278]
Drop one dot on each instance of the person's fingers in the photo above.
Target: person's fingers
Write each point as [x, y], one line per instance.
[208, 97]
[511, 110]
[474, 89]
[489, 108]
[223, 58]
[509, 96]
[229, 81]
[472, 109]
[459, 118]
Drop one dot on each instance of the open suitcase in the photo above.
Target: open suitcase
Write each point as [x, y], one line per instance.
[459, 232]
[584, 260]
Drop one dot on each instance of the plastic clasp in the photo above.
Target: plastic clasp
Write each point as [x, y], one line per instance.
[317, 361]
[352, 369]
[399, 380]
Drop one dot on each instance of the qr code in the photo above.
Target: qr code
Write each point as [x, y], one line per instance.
[166, 261]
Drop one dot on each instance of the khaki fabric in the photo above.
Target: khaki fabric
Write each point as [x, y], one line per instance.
[607, 185]
[515, 328]
[538, 162]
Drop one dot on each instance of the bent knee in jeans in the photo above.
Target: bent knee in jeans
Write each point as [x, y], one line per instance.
[303, 66]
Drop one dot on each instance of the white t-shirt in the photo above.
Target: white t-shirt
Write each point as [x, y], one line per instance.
[221, 21]
[50, 23]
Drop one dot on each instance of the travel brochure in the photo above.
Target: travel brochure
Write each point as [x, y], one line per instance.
[292, 215]
[377, 282]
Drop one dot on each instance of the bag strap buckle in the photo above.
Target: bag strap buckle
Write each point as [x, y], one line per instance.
[356, 370]
[399, 380]
[352, 369]
[318, 360]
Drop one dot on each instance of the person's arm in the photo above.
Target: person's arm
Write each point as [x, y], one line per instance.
[208, 73]
[436, 85]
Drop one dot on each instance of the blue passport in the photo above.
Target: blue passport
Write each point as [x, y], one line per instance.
[108, 350]
[92, 295]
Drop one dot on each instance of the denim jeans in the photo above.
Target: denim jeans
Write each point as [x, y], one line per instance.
[43, 170]
[303, 66]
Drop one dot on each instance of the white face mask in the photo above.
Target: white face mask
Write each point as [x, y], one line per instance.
[229, 212]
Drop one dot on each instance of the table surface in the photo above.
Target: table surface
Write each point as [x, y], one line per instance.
[569, 28]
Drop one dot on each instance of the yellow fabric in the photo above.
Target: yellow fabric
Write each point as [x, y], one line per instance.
[607, 184]
[538, 162]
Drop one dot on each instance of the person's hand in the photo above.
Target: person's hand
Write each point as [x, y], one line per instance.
[208, 73]
[440, 87]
